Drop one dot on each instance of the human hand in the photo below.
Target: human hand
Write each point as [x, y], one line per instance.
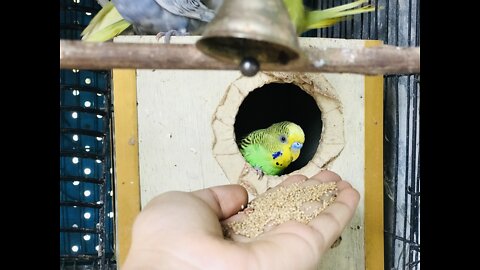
[182, 230]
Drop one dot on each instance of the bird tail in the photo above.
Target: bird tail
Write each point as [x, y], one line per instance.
[327, 17]
[107, 24]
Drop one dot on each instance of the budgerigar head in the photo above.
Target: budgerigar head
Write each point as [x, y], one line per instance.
[291, 136]
[273, 149]
[296, 139]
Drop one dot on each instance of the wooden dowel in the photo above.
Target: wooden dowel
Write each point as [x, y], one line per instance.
[108, 55]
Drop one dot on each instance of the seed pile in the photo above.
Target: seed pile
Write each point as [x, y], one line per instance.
[293, 202]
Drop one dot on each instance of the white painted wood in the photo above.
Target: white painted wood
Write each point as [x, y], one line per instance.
[175, 113]
[350, 166]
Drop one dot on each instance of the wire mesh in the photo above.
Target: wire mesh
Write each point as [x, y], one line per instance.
[395, 22]
[86, 190]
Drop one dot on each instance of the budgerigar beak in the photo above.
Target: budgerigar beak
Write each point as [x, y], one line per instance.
[296, 146]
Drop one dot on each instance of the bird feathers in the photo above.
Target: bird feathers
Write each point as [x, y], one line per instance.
[149, 17]
[304, 19]
[270, 149]
[107, 24]
[327, 17]
[194, 9]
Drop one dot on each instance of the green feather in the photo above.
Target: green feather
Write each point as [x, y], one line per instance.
[260, 146]
[325, 18]
[259, 157]
[305, 20]
[296, 11]
[107, 24]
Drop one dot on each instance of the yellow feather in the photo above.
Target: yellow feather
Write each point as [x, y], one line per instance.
[107, 24]
[328, 17]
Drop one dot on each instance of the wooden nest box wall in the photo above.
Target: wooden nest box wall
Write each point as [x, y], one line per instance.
[177, 130]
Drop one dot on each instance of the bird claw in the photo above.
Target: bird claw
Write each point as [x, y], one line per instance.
[259, 172]
[169, 34]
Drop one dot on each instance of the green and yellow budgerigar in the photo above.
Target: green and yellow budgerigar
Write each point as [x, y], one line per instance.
[304, 19]
[108, 23]
[272, 149]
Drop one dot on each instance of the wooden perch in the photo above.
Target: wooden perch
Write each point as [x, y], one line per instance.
[108, 55]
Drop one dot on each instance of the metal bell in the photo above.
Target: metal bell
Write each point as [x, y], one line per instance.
[245, 30]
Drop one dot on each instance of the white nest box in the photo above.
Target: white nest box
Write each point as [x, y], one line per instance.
[177, 130]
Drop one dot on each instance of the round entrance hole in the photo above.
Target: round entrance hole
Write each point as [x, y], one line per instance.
[252, 103]
[276, 102]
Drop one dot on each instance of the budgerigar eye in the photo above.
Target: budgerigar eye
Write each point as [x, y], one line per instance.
[283, 138]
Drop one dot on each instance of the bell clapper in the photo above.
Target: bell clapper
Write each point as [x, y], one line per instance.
[249, 66]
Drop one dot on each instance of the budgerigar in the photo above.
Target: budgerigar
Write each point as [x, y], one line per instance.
[161, 17]
[272, 149]
[304, 19]
[156, 16]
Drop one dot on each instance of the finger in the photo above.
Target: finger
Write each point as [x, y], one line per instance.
[225, 200]
[290, 180]
[323, 176]
[319, 234]
[297, 178]
[333, 220]
[326, 176]
[241, 215]
[340, 185]
[187, 212]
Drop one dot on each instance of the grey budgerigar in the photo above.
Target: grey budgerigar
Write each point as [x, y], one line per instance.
[167, 17]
